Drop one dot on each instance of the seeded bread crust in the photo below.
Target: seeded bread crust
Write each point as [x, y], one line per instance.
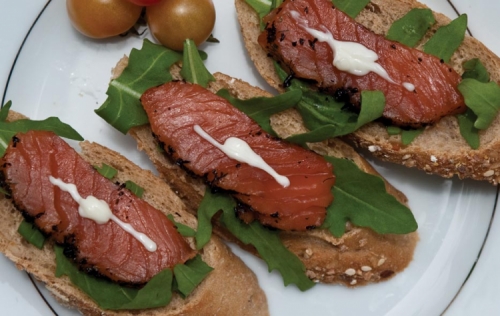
[359, 257]
[230, 289]
[440, 149]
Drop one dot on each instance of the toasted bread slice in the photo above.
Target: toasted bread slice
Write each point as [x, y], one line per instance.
[440, 149]
[231, 288]
[373, 257]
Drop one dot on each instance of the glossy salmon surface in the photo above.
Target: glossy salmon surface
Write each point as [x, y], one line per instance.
[101, 249]
[302, 55]
[176, 107]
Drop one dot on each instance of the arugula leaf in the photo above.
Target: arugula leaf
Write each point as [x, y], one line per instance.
[372, 107]
[134, 188]
[260, 109]
[209, 206]
[375, 208]
[110, 295]
[184, 230]
[4, 112]
[393, 130]
[267, 242]
[349, 7]
[9, 129]
[475, 69]
[106, 171]
[262, 7]
[482, 98]
[407, 136]
[325, 117]
[147, 67]
[447, 39]
[189, 275]
[410, 29]
[467, 130]
[32, 234]
[193, 69]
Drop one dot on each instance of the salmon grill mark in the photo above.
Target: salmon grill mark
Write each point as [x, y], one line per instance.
[314, 63]
[15, 140]
[93, 247]
[302, 205]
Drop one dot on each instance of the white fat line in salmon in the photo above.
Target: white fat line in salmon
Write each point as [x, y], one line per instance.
[99, 211]
[238, 149]
[350, 57]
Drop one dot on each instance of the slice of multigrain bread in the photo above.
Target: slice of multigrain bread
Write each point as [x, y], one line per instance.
[230, 289]
[359, 257]
[440, 149]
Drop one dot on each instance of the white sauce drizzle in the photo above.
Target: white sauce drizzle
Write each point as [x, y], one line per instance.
[238, 149]
[350, 57]
[410, 87]
[99, 211]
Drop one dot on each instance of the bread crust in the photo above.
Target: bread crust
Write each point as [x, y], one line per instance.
[231, 288]
[371, 256]
[440, 149]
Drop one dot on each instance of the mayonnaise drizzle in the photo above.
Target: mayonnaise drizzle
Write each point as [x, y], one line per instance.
[350, 57]
[99, 211]
[238, 149]
[409, 86]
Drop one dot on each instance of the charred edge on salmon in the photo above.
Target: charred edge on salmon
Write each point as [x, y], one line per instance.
[288, 80]
[271, 33]
[69, 245]
[242, 210]
[15, 140]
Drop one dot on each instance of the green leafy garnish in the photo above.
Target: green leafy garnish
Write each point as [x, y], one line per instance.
[467, 130]
[475, 69]
[483, 99]
[267, 242]
[447, 39]
[106, 171]
[147, 67]
[134, 188]
[4, 112]
[349, 7]
[156, 293]
[193, 68]
[9, 129]
[407, 136]
[325, 117]
[375, 208]
[410, 29]
[32, 234]
[393, 130]
[184, 230]
[189, 275]
[260, 109]
[262, 7]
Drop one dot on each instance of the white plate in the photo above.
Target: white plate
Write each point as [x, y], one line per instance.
[60, 73]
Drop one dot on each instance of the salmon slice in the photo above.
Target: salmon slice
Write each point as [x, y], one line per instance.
[176, 107]
[435, 92]
[100, 249]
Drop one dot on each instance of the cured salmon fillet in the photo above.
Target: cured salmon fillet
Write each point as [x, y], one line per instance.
[101, 249]
[435, 92]
[176, 107]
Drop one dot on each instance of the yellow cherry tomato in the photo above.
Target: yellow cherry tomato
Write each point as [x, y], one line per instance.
[173, 21]
[102, 18]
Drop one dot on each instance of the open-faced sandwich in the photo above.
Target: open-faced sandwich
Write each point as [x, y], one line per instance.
[400, 80]
[316, 214]
[107, 237]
